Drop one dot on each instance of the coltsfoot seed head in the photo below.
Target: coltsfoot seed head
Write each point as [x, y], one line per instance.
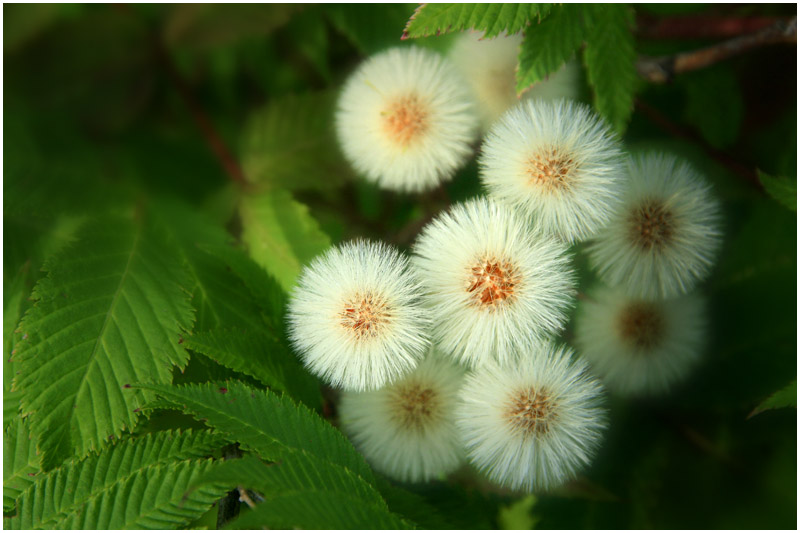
[558, 162]
[493, 286]
[407, 429]
[664, 237]
[356, 318]
[636, 346]
[532, 425]
[489, 65]
[406, 120]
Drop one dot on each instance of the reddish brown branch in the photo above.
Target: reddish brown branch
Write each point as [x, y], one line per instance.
[700, 26]
[214, 141]
[661, 120]
[663, 69]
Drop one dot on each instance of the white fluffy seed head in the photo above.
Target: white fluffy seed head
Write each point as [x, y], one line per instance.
[640, 347]
[534, 424]
[489, 65]
[406, 120]
[492, 285]
[664, 237]
[407, 429]
[558, 162]
[356, 318]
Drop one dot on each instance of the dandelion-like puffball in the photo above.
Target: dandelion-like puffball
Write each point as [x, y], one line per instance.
[490, 65]
[534, 424]
[556, 161]
[406, 119]
[637, 346]
[407, 429]
[356, 318]
[492, 285]
[664, 237]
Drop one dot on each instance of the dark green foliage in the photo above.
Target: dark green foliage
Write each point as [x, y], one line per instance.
[290, 144]
[145, 288]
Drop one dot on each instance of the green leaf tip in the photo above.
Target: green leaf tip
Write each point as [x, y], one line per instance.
[781, 189]
[786, 397]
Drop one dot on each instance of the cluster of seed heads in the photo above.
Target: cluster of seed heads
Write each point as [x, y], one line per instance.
[451, 353]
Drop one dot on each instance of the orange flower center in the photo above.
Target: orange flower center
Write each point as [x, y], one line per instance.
[551, 169]
[405, 120]
[531, 411]
[415, 405]
[365, 315]
[492, 282]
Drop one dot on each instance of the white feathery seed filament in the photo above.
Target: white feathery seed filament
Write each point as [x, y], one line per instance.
[407, 429]
[663, 238]
[405, 119]
[356, 317]
[640, 347]
[557, 162]
[533, 423]
[493, 286]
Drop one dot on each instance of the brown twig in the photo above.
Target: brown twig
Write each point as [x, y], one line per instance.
[243, 496]
[661, 120]
[663, 69]
[214, 141]
[700, 26]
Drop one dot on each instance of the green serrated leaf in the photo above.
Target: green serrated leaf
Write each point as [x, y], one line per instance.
[548, 45]
[287, 430]
[263, 287]
[291, 144]
[280, 234]
[305, 492]
[20, 462]
[493, 19]
[610, 60]
[260, 356]
[15, 303]
[786, 397]
[110, 312]
[218, 296]
[781, 188]
[151, 499]
[131, 471]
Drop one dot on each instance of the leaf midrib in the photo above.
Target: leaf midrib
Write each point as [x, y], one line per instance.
[92, 358]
